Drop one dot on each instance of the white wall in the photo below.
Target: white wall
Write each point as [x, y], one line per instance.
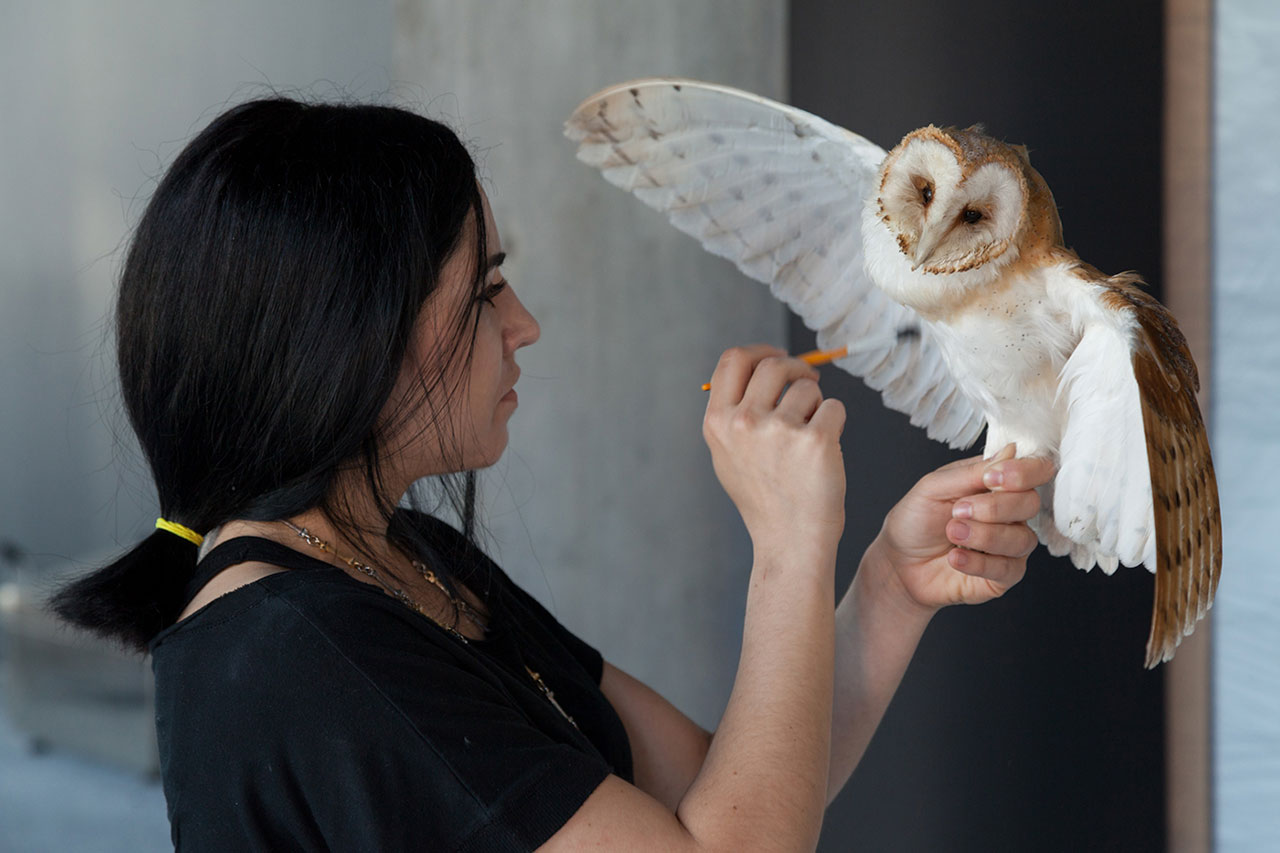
[1246, 424]
[97, 99]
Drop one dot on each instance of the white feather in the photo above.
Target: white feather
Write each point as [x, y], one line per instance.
[781, 193]
[1102, 495]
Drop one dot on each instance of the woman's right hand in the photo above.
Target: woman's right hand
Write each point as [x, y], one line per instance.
[777, 455]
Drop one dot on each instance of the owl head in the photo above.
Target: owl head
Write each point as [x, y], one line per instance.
[960, 203]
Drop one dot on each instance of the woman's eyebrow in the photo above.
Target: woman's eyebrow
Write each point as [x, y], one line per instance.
[497, 260]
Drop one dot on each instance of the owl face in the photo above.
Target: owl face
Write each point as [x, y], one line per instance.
[954, 200]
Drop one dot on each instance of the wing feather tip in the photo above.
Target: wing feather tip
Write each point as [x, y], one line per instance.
[1161, 643]
[1165, 637]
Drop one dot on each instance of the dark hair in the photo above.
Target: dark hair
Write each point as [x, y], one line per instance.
[266, 305]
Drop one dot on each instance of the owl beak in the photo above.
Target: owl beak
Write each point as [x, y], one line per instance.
[929, 240]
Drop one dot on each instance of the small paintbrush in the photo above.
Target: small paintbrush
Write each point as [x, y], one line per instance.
[822, 356]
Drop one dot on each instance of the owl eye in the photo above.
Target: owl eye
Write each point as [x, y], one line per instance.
[970, 215]
[926, 193]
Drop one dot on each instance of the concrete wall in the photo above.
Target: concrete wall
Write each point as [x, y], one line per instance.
[606, 507]
[98, 99]
[1246, 424]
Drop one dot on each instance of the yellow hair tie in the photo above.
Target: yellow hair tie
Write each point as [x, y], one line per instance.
[178, 530]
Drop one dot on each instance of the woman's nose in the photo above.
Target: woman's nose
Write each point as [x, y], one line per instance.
[523, 327]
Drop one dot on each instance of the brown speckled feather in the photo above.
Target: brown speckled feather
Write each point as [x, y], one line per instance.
[1184, 492]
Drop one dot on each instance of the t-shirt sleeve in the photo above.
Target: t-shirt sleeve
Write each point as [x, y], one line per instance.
[405, 749]
[478, 757]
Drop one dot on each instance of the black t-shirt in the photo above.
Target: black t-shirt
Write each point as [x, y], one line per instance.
[311, 711]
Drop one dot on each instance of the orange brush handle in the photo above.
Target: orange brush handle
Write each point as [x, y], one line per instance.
[816, 357]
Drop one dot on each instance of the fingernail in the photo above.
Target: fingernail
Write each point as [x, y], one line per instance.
[992, 478]
[959, 559]
[959, 531]
[962, 509]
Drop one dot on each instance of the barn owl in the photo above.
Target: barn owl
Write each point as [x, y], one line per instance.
[944, 258]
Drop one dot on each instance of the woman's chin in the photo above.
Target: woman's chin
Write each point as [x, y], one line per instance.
[495, 449]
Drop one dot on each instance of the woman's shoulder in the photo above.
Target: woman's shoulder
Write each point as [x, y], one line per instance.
[302, 639]
[266, 582]
[280, 606]
[227, 581]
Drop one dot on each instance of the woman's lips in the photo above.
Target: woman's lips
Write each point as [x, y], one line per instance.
[511, 395]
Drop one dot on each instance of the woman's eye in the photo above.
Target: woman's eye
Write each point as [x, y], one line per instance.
[492, 291]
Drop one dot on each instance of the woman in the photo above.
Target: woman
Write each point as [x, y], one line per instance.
[312, 317]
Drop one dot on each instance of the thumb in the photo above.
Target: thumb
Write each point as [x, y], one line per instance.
[964, 478]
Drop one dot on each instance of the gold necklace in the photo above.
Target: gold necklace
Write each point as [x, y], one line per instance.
[394, 591]
[404, 598]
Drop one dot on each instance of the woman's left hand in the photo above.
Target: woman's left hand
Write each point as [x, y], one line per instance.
[960, 535]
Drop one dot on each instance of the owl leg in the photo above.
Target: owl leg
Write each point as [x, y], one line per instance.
[997, 438]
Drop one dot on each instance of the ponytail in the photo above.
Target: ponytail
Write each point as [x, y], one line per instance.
[137, 596]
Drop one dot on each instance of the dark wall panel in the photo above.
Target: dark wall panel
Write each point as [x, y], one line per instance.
[1028, 723]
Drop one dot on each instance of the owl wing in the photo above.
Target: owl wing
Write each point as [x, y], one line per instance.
[779, 192]
[1135, 472]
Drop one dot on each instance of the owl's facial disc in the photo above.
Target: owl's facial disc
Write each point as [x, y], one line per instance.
[946, 214]
[973, 224]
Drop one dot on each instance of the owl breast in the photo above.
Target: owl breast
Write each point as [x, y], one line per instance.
[1006, 346]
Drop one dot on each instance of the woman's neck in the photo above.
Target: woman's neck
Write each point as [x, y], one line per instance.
[373, 549]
